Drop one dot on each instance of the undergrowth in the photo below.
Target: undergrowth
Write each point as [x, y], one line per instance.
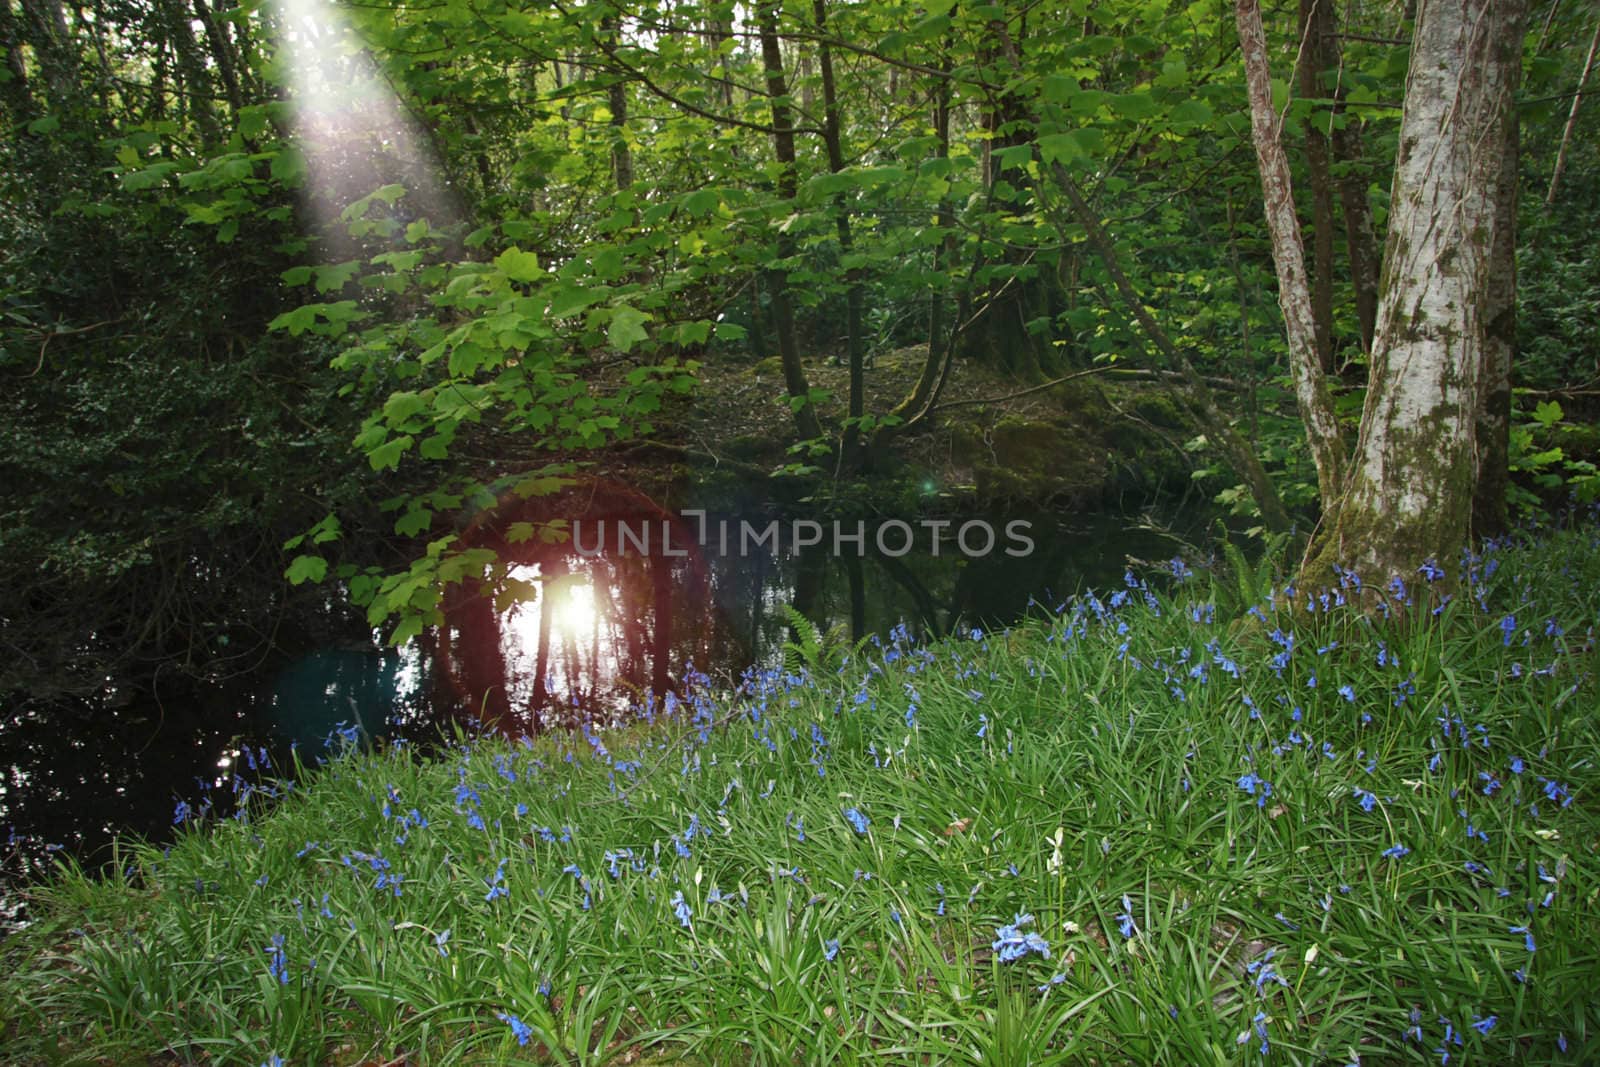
[1327, 826]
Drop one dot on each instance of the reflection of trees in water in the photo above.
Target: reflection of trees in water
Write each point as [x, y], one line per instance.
[564, 658]
[650, 617]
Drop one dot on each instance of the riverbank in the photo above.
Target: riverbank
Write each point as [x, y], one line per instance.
[1177, 822]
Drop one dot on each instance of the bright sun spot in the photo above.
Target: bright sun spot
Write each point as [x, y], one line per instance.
[570, 601]
[574, 612]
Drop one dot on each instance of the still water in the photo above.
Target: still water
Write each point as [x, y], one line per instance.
[588, 628]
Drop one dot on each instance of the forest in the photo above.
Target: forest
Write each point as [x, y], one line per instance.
[296, 290]
[326, 324]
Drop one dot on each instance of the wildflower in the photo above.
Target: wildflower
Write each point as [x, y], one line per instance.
[680, 908]
[1395, 851]
[1431, 571]
[1483, 1026]
[1125, 921]
[519, 1029]
[1508, 627]
[1368, 800]
[439, 940]
[1348, 693]
[830, 949]
[277, 961]
[857, 820]
[1012, 944]
[1257, 787]
[181, 813]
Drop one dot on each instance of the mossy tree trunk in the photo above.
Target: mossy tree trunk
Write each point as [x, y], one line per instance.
[1409, 490]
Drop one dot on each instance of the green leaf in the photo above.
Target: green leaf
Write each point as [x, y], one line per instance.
[149, 177]
[401, 406]
[1138, 105]
[307, 569]
[701, 202]
[570, 299]
[519, 266]
[627, 328]
[1059, 147]
[288, 166]
[388, 453]
[297, 320]
[1548, 413]
[413, 522]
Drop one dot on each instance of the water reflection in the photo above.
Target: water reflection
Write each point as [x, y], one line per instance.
[566, 636]
[595, 627]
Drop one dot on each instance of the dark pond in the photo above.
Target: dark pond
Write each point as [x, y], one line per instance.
[612, 617]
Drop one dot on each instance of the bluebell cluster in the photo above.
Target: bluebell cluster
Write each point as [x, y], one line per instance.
[1307, 692]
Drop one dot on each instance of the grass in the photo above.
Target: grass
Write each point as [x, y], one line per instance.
[1141, 828]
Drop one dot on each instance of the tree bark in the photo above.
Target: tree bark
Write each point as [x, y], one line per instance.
[1312, 67]
[1500, 342]
[1408, 496]
[18, 98]
[777, 277]
[1572, 118]
[1294, 296]
[833, 139]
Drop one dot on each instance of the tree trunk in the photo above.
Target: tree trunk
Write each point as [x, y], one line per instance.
[777, 278]
[834, 140]
[1318, 170]
[1500, 344]
[1350, 178]
[1408, 496]
[1294, 296]
[18, 99]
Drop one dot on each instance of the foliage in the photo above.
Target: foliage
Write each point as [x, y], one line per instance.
[1131, 830]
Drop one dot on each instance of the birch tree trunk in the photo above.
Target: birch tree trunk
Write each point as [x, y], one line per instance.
[1408, 494]
[1294, 293]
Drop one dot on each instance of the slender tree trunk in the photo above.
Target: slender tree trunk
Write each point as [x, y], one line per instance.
[777, 278]
[1294, 297]
[1235, 450]
[1572, 118]
[834, 140]
[1499, 342]
[1360, 238]
[1350, 176]
[18, 99]
[921, 395]
[222, 53]
[1408, 496]
[45, 27]
[617, 104]
[1311, 70]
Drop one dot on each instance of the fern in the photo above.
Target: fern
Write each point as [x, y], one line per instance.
[814, 651]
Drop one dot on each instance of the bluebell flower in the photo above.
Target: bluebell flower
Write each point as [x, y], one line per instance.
[857, 820]
[181, 812]
[1395, 851]
[1012, 944]
[277, 961]
[1484, 1025]
[440, 940]
[680, 908]
[1348, 693]
[1508, 627]
[1125, 921]
[830, 949]
[519, 1029]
